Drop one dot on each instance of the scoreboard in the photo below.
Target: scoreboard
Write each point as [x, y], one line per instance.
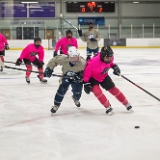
[86, 7]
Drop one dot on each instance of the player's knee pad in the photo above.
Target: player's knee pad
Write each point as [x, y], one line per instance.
[101, 97]
[96, 90]
[77, 95]
[60, 95]
[29, 67]
[114, 91]
[2, 58]
[62, 90]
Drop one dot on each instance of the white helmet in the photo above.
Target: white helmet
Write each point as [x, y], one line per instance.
[73, 51]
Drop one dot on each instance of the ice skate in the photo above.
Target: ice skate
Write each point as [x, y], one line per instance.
[76, 102]
[42, 80]
[109, 111]
[129, 109]
[54, 109]
[28, 80]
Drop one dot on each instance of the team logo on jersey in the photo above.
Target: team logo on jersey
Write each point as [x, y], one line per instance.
[91, 36]
[105, 71]
[33, 53]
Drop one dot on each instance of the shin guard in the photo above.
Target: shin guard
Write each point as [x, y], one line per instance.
[41, 72]
[119, 95]
[29, 67]
[100, 96]
[2, 58]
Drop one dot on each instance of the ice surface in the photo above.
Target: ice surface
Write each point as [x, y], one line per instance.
[28, 132]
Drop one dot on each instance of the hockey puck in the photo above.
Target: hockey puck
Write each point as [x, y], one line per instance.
[137, 127]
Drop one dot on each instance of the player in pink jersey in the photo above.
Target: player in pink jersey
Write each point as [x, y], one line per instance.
[3, 46]
[96, 73]
[64, 43]
[29, 55]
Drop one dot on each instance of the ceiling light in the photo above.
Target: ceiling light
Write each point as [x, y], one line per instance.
[135, 2]
[29, 2]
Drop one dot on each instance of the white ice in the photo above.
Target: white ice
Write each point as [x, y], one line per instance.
[28, 132]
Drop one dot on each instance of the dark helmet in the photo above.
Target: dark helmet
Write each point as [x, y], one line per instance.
[106, 52]
[68, 31]
[37, 39]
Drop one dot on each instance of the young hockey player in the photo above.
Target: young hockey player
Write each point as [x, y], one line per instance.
[96, 73]
[3, 46]
[72, 67]
[28, 55]
[91, 36]
[64, 43]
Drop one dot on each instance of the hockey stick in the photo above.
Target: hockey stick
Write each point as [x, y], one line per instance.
[20, 69]
[70, 24]
[140, 87]
[12, 62]
[61, 15]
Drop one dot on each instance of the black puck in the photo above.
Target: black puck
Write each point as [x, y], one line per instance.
[137, 127]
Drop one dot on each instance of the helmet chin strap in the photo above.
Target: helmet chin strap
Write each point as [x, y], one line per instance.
[71, 63]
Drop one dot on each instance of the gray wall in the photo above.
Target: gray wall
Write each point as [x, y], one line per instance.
[126, 13]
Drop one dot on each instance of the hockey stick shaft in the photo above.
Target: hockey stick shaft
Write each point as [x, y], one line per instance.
[12, 62]
[20, 69]
[140, 87]
[70, 24]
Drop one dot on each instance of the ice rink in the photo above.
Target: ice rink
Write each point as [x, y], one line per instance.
[28, 132]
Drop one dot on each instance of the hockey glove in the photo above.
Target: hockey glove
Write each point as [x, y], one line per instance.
[6, 47]
[116, 69]
[79, 76]
[93, 40]
[80, 32]
[55, 54]
[18, 62]
[88, 58]
[87, 87]
[48, 72]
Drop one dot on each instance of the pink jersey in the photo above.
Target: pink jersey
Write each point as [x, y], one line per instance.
[30, 52]
[3, 42]
[65, 43]
[97, 69]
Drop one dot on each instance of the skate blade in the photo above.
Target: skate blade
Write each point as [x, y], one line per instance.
[43, 82]
[130, 111]
[111, 113]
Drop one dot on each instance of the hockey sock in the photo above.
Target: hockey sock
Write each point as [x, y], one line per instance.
[2, 58]
[119, 95]
[100, 96]
[40, 74]
[29, 67]
[60, 94]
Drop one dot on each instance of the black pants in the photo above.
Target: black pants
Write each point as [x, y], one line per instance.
[27, 62]
[2, 53]
[89, 51]
[107, 83]
[76, 89]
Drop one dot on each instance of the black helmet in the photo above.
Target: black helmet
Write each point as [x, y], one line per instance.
[68, 31]
[106, 52]
[37, 39]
